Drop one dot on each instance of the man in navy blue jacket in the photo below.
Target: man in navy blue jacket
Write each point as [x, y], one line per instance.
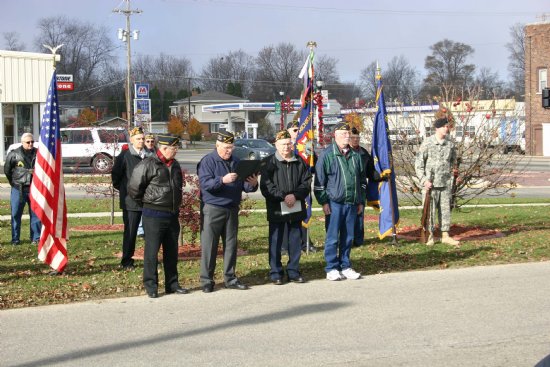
[221, 191]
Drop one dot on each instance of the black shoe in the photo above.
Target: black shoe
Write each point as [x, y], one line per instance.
[178, 290]
[208, 288]
[278, 281]
[237, 285]
[131, 267]
[298, 279]
[153, 294]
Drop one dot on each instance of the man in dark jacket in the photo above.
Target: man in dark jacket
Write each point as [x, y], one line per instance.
[18, 168]
[124, 165]
[150, 149]
[221, 191]
[285, 184]
[157, 184]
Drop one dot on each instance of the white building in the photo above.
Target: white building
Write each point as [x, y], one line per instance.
[24, 81]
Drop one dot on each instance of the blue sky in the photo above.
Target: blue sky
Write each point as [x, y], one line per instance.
[353, 31]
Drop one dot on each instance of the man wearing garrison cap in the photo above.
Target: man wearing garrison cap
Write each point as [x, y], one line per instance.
[149, 148]
[156, 184]
[340, 187]
[221, 191]
[285, 184]
[123, 167]
[434, 165]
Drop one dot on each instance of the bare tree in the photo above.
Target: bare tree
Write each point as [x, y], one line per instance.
[277, 69]
[12, 41]
[516, 66]
[165, 72]
[448, 71]
[325, 69]
[489, 83]
[367, 80]
[86, 53]
[400, 81]
[236, 67]
[484, 132]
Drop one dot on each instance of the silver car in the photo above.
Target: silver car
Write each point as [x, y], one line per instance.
[252, 149]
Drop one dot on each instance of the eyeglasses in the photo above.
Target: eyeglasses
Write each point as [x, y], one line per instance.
[29, 142]
[149, 141]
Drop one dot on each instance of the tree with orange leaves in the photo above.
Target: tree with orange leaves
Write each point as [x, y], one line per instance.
[354, 120]
[176, 125]
[195, 130]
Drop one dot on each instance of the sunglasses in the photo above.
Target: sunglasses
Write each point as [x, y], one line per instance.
[149, 141]
[29, 142]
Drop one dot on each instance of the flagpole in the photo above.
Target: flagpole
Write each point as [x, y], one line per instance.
[311, 45]
[394, 232]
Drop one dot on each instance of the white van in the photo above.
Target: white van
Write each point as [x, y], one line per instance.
[89, 147]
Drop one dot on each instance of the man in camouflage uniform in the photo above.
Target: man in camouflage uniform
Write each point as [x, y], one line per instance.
[434, 167]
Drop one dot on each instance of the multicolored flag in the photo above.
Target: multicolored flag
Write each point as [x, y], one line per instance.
[383, 194]
[47, 193]
[304, 139]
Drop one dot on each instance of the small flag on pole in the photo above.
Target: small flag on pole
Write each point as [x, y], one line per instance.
[47, 193]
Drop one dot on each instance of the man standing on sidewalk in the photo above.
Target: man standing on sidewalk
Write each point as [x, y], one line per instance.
[124, 165]
[285, 184]
[221, 191]
[340, 188]
[18, 168]
[437, 157]
[157, 184]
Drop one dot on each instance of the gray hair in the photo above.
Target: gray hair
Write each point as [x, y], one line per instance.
[26, 135]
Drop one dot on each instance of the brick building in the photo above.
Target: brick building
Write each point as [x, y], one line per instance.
[537, 63]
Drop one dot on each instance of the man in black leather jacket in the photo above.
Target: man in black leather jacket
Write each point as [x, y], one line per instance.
[157, 184]
[19, 167]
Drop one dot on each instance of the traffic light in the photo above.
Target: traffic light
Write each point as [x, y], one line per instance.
[546, 98]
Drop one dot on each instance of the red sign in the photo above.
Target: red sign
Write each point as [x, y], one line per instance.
[65, 86]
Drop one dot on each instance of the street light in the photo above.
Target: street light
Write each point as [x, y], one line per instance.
[125, 35]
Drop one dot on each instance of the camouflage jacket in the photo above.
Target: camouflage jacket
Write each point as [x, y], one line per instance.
[435, 159]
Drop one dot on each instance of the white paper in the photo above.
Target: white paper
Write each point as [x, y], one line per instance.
[285, 209]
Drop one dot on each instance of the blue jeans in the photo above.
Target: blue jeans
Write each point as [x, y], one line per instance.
[339, 237]
[291, 234]
[18, 200]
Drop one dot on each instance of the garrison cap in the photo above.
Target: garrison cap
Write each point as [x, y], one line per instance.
[226, 137]
[170, 140]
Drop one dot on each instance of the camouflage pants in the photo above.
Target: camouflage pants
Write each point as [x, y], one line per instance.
[441, 202]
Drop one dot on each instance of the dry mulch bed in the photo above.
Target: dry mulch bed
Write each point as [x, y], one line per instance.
[458, 232]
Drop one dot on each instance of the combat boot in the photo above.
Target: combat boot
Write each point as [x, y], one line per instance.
[445, 238]
[430, 241]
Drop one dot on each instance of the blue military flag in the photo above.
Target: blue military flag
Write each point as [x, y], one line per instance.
[383, 195]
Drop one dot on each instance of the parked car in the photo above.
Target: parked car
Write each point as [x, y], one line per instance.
[89, 147]
[252, 148]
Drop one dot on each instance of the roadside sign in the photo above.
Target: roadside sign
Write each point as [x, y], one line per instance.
[64, 82]
[142, 106]
[278, 107]
[141, 90]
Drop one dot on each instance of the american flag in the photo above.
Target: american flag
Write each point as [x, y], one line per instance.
[47, 189]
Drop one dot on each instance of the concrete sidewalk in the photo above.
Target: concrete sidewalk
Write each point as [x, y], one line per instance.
[481, 316]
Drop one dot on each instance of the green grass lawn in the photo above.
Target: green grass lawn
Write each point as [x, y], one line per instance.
[93, 271]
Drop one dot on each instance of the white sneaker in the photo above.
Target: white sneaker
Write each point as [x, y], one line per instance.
[349, 273]
[334, 275]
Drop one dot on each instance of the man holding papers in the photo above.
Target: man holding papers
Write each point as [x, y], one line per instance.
[285, 183]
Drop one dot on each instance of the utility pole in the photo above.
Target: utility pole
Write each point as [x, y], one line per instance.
[124, 36]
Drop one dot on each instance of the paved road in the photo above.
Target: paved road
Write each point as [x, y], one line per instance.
[482, 316]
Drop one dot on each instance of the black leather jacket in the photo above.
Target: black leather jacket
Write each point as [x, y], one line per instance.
[157, 186]
[19, 167]
[124, 165]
